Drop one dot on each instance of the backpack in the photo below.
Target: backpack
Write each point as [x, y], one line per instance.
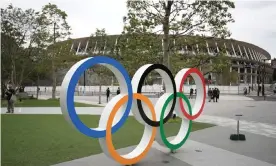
[13, 98]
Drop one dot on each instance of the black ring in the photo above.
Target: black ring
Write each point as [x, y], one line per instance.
[139, 89]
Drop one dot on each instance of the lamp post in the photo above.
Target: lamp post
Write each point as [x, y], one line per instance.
[258, 81]
[251, 70]
[84, 81]
[209, 79]
[248, 66]
[263, 77]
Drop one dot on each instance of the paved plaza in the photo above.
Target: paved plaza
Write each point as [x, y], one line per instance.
[208, 147]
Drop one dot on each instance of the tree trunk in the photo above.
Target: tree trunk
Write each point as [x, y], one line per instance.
[54, 76]
[21, 76]
[165, 51]
[15, 79]
[3, 89]
[12, 75]
[37, 86]
[166, 30]
[54, 83]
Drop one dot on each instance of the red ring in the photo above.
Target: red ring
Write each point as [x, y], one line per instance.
[192, 70]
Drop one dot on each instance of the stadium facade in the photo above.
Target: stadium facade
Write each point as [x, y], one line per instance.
[248, 60]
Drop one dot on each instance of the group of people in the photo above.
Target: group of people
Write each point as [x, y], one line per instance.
[213, 94]
[247, 91]
[192, 93]
[108, 93]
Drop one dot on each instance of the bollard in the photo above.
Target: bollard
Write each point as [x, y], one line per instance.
[238, 136]
[238, 125]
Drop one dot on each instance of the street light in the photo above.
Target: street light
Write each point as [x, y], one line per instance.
[263, 77]
[84, 82]
[258, 80]
[246, 66]
[209, 79]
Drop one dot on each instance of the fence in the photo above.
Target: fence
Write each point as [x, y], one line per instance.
[150, 89]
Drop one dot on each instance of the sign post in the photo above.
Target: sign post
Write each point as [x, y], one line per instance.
[238, 136]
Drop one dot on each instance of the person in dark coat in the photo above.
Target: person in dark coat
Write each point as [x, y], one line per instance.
[9, 93]
[218, 93]
[215, 95]
[191, 93]
[118, 91]
[245, 91]
[259, 88]
[107, 94]
[210, 94]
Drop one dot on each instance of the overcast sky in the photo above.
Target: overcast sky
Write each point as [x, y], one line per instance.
[255, 20]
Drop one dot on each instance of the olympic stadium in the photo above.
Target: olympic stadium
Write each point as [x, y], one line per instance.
[248, 60]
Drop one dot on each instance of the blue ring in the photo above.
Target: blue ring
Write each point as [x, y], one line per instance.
[71, 90]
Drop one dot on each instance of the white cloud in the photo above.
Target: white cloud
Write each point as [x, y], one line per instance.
[255, 23]
[255, 20]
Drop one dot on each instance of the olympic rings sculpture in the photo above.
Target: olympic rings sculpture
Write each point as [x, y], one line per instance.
[116, 111]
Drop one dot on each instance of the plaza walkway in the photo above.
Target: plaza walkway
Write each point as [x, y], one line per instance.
[208, 147]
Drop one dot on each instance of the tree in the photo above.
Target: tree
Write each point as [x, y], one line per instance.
[102, 72]
[7, 45]
[57, 30]
[153, 26]
[136, 50]
[19, 29]
[225, 77]
[40, 69]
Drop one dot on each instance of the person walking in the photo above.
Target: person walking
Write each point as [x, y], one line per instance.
[191, 93]
[259, 89]
[107, 94]
[218, 93]
[118, 91]
[249, 88]
[10, 93]
[215, 95]
[245, 91]
[38, 90]
[210, 94]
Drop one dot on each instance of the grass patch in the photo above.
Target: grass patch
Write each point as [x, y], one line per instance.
[43, 103]
[32, 140]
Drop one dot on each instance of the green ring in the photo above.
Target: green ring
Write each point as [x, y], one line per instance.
[162, 133]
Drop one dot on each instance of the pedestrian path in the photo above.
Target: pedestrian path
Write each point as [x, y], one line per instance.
[196, 153]
[256, 146]
[255, 93]
[201, 154]
[54, 110]
[193, 153]
[94, 100]
[265, 129]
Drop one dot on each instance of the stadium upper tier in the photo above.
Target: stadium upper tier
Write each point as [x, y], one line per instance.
[232, 48]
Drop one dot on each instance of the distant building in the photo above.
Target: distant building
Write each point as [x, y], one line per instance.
[247, 59]
[273, 65]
